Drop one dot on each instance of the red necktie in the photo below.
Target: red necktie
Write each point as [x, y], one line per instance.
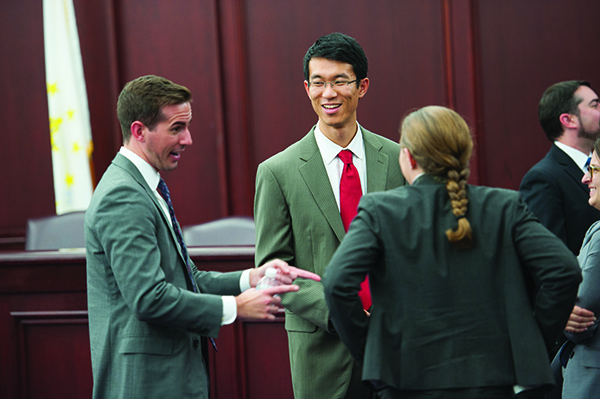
[350, 193]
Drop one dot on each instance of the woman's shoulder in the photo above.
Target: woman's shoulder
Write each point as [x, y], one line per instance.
[492, 193]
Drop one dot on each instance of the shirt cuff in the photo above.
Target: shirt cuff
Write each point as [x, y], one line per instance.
[229, 303]
[229, 310]
[245, 280]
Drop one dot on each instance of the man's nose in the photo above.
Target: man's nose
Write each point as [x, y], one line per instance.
[329, 91]
[187, 138]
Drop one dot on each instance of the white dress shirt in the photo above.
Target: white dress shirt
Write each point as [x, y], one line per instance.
[334, 165]
[577, 156]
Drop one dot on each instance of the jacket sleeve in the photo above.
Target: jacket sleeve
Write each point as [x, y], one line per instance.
[553, 267]
[356, 255]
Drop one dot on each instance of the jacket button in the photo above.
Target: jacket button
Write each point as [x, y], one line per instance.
[196, 343]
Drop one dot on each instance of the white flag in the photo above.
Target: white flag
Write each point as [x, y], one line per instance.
[70, 131]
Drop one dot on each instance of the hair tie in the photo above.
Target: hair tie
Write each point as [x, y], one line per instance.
[461, 216]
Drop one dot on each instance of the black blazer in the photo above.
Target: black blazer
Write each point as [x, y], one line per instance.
[446, 318]
[555, 194]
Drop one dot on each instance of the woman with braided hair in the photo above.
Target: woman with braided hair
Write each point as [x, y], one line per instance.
[452, 268]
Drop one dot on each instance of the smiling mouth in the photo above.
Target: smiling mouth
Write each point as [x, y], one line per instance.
[329, 106]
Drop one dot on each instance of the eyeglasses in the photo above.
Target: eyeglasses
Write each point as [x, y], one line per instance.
[591, 169]
[336, 84]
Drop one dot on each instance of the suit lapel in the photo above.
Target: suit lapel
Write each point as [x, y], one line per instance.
[315, 176]
[376, 161]
[569, 166]
[130, 168]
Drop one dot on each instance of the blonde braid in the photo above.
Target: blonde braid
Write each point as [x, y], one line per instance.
[456, 186]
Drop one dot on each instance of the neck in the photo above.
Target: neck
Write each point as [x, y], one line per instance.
[413, 174]
[579, 143]
[341, 136]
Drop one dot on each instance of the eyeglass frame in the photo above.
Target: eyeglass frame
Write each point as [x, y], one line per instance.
[344, 83]
[591, 169]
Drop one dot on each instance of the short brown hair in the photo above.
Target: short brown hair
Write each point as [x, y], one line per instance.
[142, 100]
[558, 99]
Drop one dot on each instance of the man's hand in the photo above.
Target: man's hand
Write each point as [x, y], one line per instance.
[255, 304]
[580, 320]
[286, 274]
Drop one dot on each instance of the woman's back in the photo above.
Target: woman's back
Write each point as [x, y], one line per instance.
[453, 271]
[444, 317]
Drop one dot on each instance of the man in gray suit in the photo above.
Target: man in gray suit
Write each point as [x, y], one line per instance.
[297, 210]
[148, 304]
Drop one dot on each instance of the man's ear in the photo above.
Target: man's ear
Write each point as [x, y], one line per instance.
[307, 88]
[570, 121]
[138, 131]
[363, 87]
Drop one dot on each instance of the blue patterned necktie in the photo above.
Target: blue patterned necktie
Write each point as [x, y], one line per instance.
[164, 191]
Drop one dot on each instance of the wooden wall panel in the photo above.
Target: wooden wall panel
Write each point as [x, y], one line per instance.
[525, 47]
[96, 28]
[461, 67]
[179, 40]
[26, 182]
[233, 63]
[266, 348]
[243, 62]
[52, 345]
[252, 361]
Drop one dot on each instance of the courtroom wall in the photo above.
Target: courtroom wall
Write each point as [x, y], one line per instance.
[242, 59]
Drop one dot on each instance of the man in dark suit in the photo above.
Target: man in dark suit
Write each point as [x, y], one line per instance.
[148, 304]
[569, 113]
[297, 210]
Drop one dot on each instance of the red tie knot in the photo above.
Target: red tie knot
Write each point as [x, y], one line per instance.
[346, 156]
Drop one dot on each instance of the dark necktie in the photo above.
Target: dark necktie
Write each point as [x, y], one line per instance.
[350, 193]
[163, 190]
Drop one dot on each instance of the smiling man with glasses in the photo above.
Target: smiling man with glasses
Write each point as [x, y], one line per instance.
[305, 198]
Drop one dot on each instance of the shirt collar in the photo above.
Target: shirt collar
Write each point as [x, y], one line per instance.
[148, 172]
[416, 178]
[577, 156]
[330, 150]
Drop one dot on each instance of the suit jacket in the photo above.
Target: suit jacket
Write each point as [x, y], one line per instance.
[447, 318]
[555, 194]
[298, 220]
[582, 375]
[144, 321]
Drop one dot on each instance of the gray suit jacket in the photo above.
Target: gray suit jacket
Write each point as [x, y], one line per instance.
[297, 220]
[144, 321]
[582, 375]
[447, 318]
